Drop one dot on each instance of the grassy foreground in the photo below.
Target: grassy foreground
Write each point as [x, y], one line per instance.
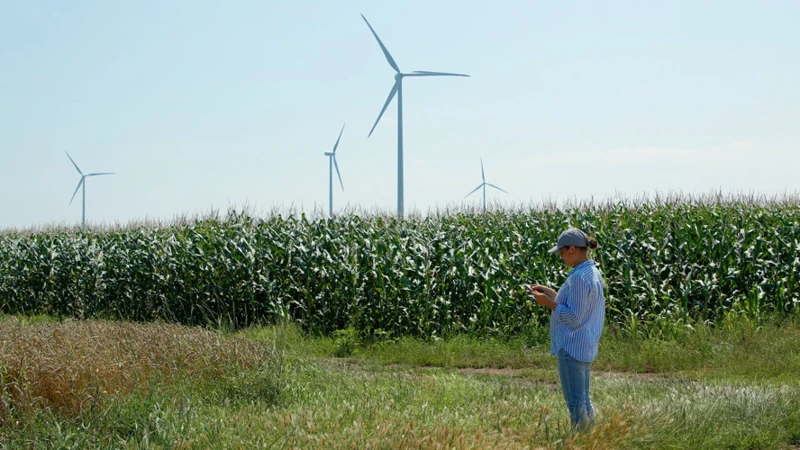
[92, 384]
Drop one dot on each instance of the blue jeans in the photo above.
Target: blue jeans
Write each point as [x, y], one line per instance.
[574, 376]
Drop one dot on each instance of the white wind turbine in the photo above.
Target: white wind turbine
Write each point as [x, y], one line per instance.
[82, 183]
[483, 185]
[331, 164]
[398, 90]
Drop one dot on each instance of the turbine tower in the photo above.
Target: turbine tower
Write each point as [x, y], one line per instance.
[397, 89]
[82, 184]
[483, 185]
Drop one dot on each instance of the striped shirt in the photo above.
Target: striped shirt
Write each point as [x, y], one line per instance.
[577, 321]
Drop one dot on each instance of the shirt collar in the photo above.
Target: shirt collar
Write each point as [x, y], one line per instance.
[585, 263]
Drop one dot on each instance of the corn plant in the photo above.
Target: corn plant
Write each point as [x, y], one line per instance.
[458, 272]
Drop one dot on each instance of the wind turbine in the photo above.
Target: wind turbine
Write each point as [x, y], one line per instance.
[398, 90]
[82, 183]
[331, 164]
[483, 185]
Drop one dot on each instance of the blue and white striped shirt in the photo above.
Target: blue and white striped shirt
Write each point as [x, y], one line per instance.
[577, 321]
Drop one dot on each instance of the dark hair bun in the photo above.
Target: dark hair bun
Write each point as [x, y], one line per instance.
[592, 243]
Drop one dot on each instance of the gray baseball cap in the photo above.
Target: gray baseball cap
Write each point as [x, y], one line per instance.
[573, 236]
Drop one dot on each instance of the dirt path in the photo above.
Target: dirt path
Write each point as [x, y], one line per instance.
[491, 371]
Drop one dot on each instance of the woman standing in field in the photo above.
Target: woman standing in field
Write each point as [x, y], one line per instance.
[576, 321]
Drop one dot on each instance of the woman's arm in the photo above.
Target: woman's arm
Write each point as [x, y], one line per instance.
[544, 300]
[577, 304]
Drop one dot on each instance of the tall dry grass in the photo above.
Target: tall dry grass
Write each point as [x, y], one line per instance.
[72, 366]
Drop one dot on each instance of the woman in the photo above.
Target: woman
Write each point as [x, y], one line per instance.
[576, 322]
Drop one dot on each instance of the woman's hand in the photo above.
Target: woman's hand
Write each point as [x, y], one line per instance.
[546, 290]
[543, 295]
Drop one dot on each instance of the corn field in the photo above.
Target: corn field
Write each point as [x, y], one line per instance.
[450, 273]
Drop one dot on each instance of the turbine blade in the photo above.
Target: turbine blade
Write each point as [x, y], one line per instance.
[383, 47]
[385, 105]
[499, 189]
[483, 177]
[76, 190]
[473, 191]
[336, 165]
[98, 174]
[423, 73]
[73, 163]
[337, 140]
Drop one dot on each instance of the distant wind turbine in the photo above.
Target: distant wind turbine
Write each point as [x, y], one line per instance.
[331, 164]
[483, 185]
[82, 183]
[398, 90]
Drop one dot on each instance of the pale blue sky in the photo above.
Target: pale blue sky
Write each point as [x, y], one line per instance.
[199, 104]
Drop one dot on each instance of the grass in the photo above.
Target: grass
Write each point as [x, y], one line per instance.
[732, 385]
[77, 371]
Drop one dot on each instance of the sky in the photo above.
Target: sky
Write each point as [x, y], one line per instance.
[200, 105]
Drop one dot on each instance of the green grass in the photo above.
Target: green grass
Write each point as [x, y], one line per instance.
[728, 386]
